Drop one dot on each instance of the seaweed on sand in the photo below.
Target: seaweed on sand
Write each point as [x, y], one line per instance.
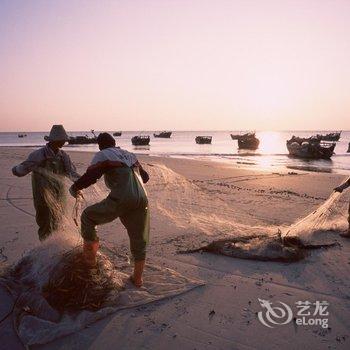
[255, 247]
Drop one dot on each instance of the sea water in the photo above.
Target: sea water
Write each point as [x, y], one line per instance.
[271, 154]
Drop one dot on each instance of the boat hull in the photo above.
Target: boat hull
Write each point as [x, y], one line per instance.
[203, 140]
[163, 135]
[79, 140]
[140, 141]
[251, 144]
[315, 151]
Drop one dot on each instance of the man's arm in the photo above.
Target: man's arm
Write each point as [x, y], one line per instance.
[89, 178]
[92, 174]
[33, 160]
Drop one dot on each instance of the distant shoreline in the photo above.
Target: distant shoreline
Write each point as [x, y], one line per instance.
[213, 158]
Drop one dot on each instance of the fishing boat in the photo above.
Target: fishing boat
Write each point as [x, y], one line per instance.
[83, 140]
[246, 141]
[140, 140]
[79, 140]
[163, 134]
[333, 136]
[22, 135]
[310, 148]
[203, 140]
[117, 133]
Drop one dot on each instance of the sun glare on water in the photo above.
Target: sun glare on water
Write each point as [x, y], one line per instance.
[271, 142]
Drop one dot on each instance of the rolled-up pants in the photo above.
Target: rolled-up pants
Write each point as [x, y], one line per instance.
[134, 218]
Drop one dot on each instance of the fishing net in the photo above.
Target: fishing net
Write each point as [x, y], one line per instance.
[256, 247]
[213, 225]
[56, 294]
[74, 286]
[322, 226]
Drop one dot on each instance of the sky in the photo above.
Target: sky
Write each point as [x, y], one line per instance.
[175, 64]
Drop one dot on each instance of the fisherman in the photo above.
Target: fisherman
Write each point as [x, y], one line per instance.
[127, 200]
[47, 165]
[340, 189]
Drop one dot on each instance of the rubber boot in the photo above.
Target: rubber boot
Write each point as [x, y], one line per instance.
[90, 249]
[138, 271]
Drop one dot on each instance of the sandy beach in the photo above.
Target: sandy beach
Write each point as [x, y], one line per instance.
[191, 200]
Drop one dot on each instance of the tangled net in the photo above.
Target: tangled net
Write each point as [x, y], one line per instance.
[74, 286]
[319, 227]
[255, 247]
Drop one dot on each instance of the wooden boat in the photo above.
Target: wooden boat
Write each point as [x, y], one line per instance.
[82, 140]
[203, 139]
[163, 134]
[310, 148]
[117, 133]
[141, 140]
[333, 136]
[246, 141]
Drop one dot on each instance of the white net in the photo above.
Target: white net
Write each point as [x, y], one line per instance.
[208, 218]
[55, 293]
[320, 227]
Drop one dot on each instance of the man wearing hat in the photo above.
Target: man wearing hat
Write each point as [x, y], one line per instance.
[47, 165]
[127, 200]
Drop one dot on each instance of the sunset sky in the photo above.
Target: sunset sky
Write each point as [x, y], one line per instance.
[175, 64]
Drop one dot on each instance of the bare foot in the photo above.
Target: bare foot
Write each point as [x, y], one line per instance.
[136, 283]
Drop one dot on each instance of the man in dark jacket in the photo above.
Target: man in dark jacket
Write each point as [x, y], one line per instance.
[127, 200]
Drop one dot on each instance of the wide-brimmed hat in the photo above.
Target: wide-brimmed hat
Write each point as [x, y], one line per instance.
[58, 133]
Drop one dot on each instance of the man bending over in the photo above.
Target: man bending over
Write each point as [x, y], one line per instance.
[127, 200]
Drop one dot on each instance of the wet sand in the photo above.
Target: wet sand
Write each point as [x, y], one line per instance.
[190, 198]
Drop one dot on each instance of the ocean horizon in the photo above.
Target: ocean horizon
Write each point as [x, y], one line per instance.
[271, 154]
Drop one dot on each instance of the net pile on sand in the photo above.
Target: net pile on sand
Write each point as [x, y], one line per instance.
[74, 286]
[55, 295]
[256, 247]
[318, 229]
[212, 226]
